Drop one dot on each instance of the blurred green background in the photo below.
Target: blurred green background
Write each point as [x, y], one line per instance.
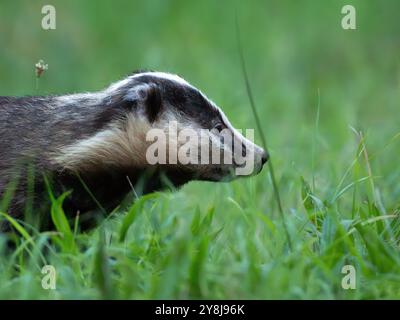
[298, 57]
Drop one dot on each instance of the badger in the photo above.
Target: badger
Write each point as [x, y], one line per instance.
[94, 145]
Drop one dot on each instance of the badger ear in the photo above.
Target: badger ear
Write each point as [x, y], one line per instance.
[146, 97]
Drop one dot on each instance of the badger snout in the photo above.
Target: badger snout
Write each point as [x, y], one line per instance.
[263, 160]
[260, 158]
[264, 157]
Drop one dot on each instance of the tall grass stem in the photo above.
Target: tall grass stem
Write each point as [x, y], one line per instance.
[263, 139]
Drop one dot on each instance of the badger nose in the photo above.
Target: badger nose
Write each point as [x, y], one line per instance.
[264, 157]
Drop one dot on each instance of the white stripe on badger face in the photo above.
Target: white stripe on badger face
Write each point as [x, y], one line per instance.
[178, 80]
[257, 152]
[174, 78]
[166, 76]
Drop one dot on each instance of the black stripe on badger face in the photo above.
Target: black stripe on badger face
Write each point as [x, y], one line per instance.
[188, 102]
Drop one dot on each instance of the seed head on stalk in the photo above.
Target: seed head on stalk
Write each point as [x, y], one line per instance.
[40, 68]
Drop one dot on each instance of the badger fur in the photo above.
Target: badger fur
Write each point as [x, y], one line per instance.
[95, 143]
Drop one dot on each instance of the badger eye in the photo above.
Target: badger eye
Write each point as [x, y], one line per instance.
[219, 126]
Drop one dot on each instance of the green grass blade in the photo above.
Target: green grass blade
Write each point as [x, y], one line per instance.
[263, 139]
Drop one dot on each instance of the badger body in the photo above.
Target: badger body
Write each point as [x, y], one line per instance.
[94, 144]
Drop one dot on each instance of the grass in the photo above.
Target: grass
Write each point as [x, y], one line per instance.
[327, 101]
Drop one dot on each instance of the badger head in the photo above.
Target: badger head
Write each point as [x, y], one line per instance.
[162, 122]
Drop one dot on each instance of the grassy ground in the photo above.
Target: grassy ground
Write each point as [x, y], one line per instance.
[328, 101]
